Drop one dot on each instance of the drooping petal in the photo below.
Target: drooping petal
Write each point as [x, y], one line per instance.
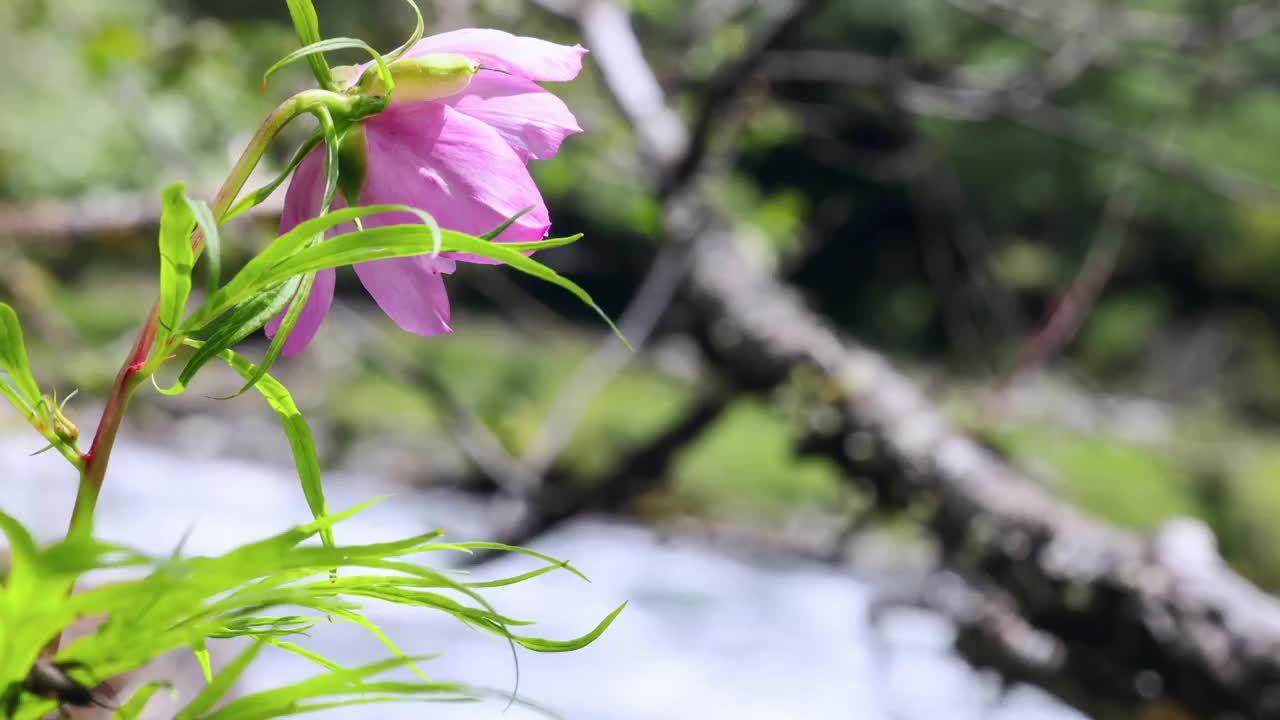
[317, 307]
[532, 120]
[410, 291]
[430, 156]
[527, 57]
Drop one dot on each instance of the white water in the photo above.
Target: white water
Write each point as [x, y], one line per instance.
[705, 635]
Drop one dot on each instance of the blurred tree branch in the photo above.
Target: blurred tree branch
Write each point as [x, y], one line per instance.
[1117, 604]
[1021, 101]
[95, 215]
[1125, 26]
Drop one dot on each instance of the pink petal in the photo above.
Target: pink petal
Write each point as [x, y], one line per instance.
[302, 202]
[430, 156]
[317, 307]
[306, 192]
[533, 121]
[410, 291]
[527, 57]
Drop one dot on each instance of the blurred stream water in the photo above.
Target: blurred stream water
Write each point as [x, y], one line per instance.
[705, 635]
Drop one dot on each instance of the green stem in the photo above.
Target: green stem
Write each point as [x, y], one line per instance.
[136, 369]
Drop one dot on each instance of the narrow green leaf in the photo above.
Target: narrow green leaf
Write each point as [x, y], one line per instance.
[245, 320]
[212, 242]
[376, 631]
[414, 37]
[291, 699]
[494, 233]
[132, 709]
[302, 652]
[296, 305]
[555, 562]
[176, 259]
[20, 582]
[325, 521]
[220, 684]
[547, 646]
[307, 26]
[516, 579]
[548, 244]
[249, 281]
[331, 158]
[301, 442]
[257, 197]
[202, 656]
[406, 240]
[13, 360]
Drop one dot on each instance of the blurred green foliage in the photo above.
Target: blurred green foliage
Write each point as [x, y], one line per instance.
[124, 95]
[942, 241]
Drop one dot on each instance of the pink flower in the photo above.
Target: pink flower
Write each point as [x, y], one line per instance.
[461, 158]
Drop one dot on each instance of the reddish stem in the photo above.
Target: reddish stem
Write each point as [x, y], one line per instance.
[95, 461]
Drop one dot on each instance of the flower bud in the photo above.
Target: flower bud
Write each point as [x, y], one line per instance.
[429, 77]
[62, 426]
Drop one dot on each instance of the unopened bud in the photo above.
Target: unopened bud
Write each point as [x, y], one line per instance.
[428, 77]
[62, 426]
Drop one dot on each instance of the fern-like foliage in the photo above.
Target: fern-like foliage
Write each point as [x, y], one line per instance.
[271, 591]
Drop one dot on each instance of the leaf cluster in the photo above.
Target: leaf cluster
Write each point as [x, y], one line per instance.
[272, 592]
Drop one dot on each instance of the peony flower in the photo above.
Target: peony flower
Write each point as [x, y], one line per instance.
[461, 158]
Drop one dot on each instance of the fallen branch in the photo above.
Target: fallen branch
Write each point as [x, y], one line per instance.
[1118, 604]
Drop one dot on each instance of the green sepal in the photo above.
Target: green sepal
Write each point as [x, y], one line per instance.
[426, 77]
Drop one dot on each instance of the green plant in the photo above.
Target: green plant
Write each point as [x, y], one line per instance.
[274, 590]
